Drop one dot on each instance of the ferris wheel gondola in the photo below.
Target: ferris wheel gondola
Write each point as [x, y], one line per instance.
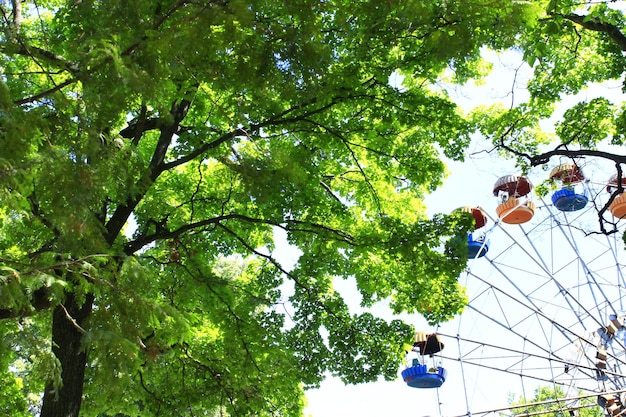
[515, 206]
[568, 198]
[477, 244]
[618, 205]
[419, 374]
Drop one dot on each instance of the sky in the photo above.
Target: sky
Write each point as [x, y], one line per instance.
[538, 274]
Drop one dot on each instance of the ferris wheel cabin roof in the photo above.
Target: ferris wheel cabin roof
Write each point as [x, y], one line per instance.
[568, 173]
[515, 185]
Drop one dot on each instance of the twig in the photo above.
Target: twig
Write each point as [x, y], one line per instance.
[70, 318]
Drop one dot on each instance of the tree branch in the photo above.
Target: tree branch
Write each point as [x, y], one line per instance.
[140, 242]
[72, 320]
[35, 52]
[310, 293]
[44, 55]
[277, 120]
[619, 190]
[17, 16]
[545, 157]
[347, 144]
[155, 168]
[593, 24]
[45, 93]
[139, 126]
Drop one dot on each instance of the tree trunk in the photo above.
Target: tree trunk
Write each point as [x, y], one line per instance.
[67, 323]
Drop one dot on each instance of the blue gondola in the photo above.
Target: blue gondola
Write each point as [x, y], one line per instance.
[418, 376]
[570, 176]
[567, 199]
[476, 248]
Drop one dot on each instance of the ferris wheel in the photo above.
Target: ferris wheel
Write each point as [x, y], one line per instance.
[547, 305]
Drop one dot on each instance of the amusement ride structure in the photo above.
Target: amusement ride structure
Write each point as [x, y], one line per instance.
[546, 304]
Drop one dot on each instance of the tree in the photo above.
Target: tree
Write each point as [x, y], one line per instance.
[150, 150]
[552, 401]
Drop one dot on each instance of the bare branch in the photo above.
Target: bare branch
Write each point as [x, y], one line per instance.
[72, 320]
[614, 195]
[545, 157]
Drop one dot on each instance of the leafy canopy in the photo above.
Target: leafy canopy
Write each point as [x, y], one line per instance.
[151, 150]
[552, 401]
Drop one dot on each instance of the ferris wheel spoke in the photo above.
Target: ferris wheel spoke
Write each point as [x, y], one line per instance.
[591, 276]
[521, 305]
[573, 302]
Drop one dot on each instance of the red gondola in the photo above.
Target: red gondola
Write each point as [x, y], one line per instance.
[476, 245]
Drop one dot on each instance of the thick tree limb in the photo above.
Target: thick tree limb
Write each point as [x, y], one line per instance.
[138, 127]
[545, 157]
[17, 16]
[592, 24]
[68, 348]
[155, 168]
[41, 54]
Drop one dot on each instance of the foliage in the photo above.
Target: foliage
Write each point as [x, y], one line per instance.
[552, 401]
[152, 149]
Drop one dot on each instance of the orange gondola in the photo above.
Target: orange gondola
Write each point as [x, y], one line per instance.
[515, 207]
[515, 211]
[618, 205]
